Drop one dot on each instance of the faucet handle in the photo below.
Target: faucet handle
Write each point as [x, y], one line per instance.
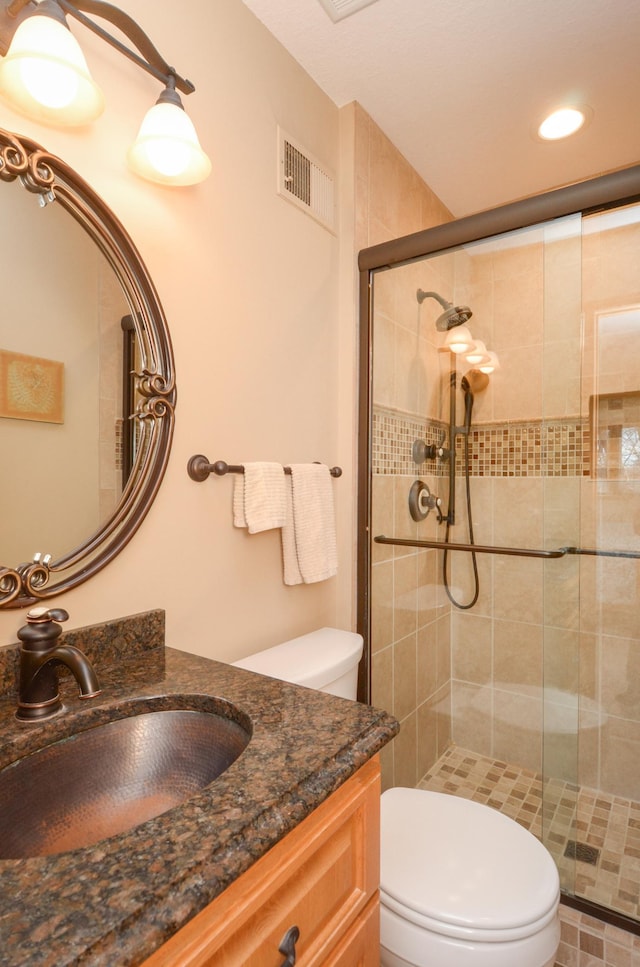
[39, 615]
[42, 629]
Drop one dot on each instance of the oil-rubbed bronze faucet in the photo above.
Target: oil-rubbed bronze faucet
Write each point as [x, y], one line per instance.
[38, 695]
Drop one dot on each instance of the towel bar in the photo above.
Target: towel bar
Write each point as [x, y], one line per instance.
[199, 468]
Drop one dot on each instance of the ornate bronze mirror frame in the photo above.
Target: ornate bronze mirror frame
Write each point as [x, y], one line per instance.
[154, 393]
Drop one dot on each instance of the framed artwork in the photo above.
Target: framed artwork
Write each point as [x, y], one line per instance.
[31, 388]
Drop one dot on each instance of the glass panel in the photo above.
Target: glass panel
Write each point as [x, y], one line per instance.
[609, 803]
[564, 438]
[516, 679]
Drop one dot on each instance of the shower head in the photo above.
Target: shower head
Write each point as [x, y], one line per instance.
[451, 317]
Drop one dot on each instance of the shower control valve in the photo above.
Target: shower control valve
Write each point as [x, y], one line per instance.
[421, 500]
[422, 451]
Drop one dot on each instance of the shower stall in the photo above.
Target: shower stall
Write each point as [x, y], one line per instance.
[499, 520]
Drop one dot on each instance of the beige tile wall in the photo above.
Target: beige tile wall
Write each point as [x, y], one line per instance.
[411, 668]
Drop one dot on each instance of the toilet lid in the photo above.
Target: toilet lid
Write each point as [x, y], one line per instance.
[457, 865]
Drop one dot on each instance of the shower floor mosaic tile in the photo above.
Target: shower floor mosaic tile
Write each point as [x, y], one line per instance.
[601, 832]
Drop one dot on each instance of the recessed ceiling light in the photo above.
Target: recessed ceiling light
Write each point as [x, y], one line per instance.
[561, 123]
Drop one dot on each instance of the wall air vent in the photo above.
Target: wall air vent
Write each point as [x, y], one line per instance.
[339, 9]
[303, 181]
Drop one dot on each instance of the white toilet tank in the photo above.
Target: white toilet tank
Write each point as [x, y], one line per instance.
[326, 659]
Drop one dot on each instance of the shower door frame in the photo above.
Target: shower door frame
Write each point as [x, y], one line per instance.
[606, 191]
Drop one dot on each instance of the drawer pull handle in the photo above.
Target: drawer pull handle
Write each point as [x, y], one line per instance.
[288, 946]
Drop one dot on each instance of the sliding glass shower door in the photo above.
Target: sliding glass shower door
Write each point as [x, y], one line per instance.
[512, 655]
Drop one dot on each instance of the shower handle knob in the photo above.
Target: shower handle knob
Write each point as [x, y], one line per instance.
[429, 501]
[422, 451]
[421, 500]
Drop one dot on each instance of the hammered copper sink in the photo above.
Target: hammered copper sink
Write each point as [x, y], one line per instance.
[104, 781]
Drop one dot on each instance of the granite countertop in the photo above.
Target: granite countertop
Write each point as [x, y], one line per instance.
[116, 902]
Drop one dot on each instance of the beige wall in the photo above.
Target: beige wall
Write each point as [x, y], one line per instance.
[252, 293]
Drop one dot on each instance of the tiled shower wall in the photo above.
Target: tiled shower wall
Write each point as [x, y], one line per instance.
[571, 624]
[391, 200]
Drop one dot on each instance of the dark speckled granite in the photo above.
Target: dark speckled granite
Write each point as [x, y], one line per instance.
[113, 904]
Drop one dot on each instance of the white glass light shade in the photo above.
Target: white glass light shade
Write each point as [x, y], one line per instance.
[167, 149]
[491, 364]
[46, 77]
[477, 354]
[459, 340]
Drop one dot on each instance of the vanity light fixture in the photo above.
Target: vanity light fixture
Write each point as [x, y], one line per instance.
[45, 76]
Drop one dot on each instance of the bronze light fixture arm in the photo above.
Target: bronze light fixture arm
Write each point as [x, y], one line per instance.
[148, 58]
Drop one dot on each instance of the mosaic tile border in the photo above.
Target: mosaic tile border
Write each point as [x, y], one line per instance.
[392, 438]
[550, 448]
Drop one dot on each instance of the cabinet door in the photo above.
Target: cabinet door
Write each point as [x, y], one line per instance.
[360, 947]
[320, 878]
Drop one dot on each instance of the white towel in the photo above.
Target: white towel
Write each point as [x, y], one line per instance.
[260, 497]
[291, 568]
[309, 536]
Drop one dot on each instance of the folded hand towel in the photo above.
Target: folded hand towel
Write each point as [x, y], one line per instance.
[310, 529]
[259, 497]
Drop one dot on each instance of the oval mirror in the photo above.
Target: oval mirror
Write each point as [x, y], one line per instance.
[87, 385]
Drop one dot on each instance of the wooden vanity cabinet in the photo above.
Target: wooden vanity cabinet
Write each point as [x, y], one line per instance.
[322, 878]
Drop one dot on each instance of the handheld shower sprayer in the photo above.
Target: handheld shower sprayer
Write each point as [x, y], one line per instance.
[451, 317]
[471, 383]
[468, 401]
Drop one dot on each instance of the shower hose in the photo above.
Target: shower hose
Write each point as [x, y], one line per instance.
[445, 578]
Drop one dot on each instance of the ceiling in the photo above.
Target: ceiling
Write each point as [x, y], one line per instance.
[460, 86]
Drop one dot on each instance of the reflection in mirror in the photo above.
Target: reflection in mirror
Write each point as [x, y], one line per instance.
[86, 379]
[64, 307]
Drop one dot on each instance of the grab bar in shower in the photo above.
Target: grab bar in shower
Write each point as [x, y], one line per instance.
[594, 553]
[478, 548]
[489, 549]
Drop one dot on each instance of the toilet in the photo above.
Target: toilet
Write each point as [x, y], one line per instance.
[461, 884]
